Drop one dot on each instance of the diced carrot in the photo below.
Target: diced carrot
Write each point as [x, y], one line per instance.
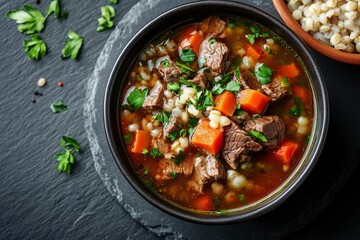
[226, 103]
[254, 51]
[204, 202]
[186, 33]
[252, 101]
[286, 151]
[207, 138]
[193, 41]
[302, 93]
[290, 70]
[142, 140]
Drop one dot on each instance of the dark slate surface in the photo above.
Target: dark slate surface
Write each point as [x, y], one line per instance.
[95, 202]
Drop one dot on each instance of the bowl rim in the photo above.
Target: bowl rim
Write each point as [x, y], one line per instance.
[178, 211]
[317, 45]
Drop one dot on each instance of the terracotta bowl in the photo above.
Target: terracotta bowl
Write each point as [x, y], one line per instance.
[353, 58]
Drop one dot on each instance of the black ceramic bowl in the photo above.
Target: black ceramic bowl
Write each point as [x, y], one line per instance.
[190, 13]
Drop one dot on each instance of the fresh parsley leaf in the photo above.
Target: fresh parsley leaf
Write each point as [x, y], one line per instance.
[258, 135]
[35, 48]
[146, 171]
[72, 45]
[136, 97]
[179, 64]
[68, 142]
[225, 78]
[204, 99]
[173, 86]
[217, 89]
[55, 8]
[251, 38]
[165, 62]
[58, 106]
[263, 74]
[106, 21]
[30, 20]
[285, 82]
[256, 33]
[192, 123]
[187, 55]
[238, 112]
[242, 199]
[232, 86]
[182, 133]
[298, 108]
[144, 151]
[173, 175]
[66, 158]
[126, 107]
[187, 83]
[174, 135]
[212, 41]
[154, 153]
[237, 72]
[127, 138]
[294, 111]
[163, 118]
[114, 1]
[255, 116]
[179, 158]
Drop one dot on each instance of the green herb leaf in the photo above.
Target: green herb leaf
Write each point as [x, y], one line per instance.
[232, 86]
[251, 38]
[173, 175]
[285, 82]
[35, 48]
[255, 116]
[258, 135]
[174, 135]
[263, 74]
[256, 33]
[144, 151]
[58, 106]
[106, 21]
[187, 83]
[179, 158]
[68, 142]
[137, 97]
[294, 111]
[114, 1]
[30, 20]
[127, 138]
[217, 89]
[298, 108]
[237, 72]
[72, 45]
[212, 40]
[184, 66]
[165, 62]
[163, 118]
[146, 171]
[55, 8]
[173, 86]
[187, 55]
[154, 153]
[242, 199]
[204, 99]
[192, 123]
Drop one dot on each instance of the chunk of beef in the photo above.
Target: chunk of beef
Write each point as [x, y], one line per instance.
[213, 55]
[243, 117]
[163, 146]
[169, 167]
[171, 126]
[237, 145]
[275, 90]
[206, 170]
[155, 98]
[272, 127]
[249, 81]
[213, 26]
[168, 70]
[200, 80]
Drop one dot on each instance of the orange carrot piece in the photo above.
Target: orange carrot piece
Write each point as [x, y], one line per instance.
[185, 33]
[302, 93]
[252, 101]
[193, 41]
[286, 151]
[226, 103]
[142, 140]
[254, 51]
[291, 70]
[204, 202]
[207, 138]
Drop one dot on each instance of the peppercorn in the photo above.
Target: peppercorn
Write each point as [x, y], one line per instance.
[60, 84]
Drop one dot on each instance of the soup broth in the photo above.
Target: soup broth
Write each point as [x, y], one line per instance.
[216, 114]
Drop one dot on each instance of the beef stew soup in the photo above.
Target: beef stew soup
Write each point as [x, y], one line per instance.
[216, 114]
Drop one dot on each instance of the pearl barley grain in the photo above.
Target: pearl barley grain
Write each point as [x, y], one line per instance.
[41, 82]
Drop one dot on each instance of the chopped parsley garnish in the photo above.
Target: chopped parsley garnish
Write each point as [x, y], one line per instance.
[179, 158]
[204, 99]
[55, 8]
[30, 20]
[255, 33]
[173, 86]
[58, 106]
[174, 135]
[237, 72]
[258, 135]
[298, 108]
[138, 78]
[242, 199]
[212, 40]
[182, 133]
[187, 55]
[232, 86]
[222, 85]
[114, 1]
[163, 118]
[187, 83]
[263, 74]
[179, 64]
[127, 138]
[165, 62]
[173, 175]
[127, 107]
[144, 151]
[285, 82]
[154, 153]
[222, 211]
[192, 123]
[106, 20]
[72, 45]
[35, 48]
[66, 158]
[137, 97]
[146, 171]
[255, 116]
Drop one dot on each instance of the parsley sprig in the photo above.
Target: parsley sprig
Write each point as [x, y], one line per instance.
[72, 45]
[263, 74]
[30, 20]
[35, 48]
[256, 33]
[58, 106]
[55, 8]
[106, 20]
[66, 158]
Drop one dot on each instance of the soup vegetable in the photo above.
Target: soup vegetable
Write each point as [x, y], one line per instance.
[216, 114]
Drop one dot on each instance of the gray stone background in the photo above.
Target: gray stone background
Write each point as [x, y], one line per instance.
[95, 202]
